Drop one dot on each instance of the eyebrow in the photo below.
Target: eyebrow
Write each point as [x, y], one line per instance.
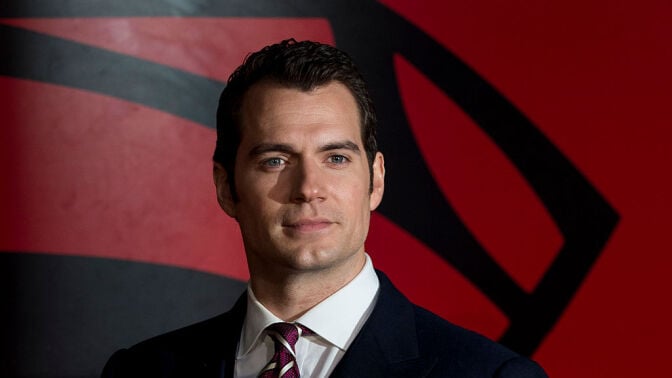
[271, 147]
[288, 149]
[344, 145]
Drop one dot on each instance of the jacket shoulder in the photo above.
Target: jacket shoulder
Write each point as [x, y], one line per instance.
[195, 336]
[430, 346]
[462, 352]
[198, 350]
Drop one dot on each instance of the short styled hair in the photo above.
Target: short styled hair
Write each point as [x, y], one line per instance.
[302, 65]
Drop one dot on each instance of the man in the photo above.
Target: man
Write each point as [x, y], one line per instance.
[296, 164]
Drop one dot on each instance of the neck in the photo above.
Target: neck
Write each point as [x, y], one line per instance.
[288, 295]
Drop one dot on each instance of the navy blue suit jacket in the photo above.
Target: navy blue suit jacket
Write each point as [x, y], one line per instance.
[398, 340]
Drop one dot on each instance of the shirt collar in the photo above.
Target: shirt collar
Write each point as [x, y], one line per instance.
[337, 319]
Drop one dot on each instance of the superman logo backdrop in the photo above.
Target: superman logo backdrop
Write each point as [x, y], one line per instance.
[110, 228]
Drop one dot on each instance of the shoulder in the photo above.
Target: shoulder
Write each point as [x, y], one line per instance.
[444, 348]
[467, 353]
[436, 333]
[195, 336]
[199, 347]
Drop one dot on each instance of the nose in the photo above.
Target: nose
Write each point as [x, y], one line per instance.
[308, 183]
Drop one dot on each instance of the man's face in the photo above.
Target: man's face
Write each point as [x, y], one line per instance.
[302, 180]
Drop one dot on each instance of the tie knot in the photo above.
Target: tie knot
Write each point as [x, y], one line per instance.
[289, 332]
[283, 364]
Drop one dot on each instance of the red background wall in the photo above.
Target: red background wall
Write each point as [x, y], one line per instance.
[86, 173]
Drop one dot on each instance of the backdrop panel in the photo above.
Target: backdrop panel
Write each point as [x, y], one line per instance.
[526, 149]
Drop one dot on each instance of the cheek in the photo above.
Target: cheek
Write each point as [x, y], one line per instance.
[261, 204]
[252, 187]
[267, 188]
[256, 223]
[359, 204]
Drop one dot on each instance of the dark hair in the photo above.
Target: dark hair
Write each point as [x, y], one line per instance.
[303, 65]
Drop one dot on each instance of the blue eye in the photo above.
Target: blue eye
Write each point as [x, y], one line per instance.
[273, 162]
[338, 159]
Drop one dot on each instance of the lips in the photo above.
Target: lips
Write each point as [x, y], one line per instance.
[308, 225]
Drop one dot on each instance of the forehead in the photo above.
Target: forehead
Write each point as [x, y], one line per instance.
[270, 108]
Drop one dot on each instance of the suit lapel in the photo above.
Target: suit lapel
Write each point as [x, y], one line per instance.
[387, 345]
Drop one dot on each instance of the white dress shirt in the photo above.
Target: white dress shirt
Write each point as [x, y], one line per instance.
[336, 321]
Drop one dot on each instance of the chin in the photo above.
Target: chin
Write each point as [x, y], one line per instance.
[322, 258]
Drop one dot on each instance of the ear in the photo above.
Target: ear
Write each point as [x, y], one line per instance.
[378, 181]
[224, 196]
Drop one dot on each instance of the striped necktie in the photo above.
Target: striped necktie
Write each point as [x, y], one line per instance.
[283, 364]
